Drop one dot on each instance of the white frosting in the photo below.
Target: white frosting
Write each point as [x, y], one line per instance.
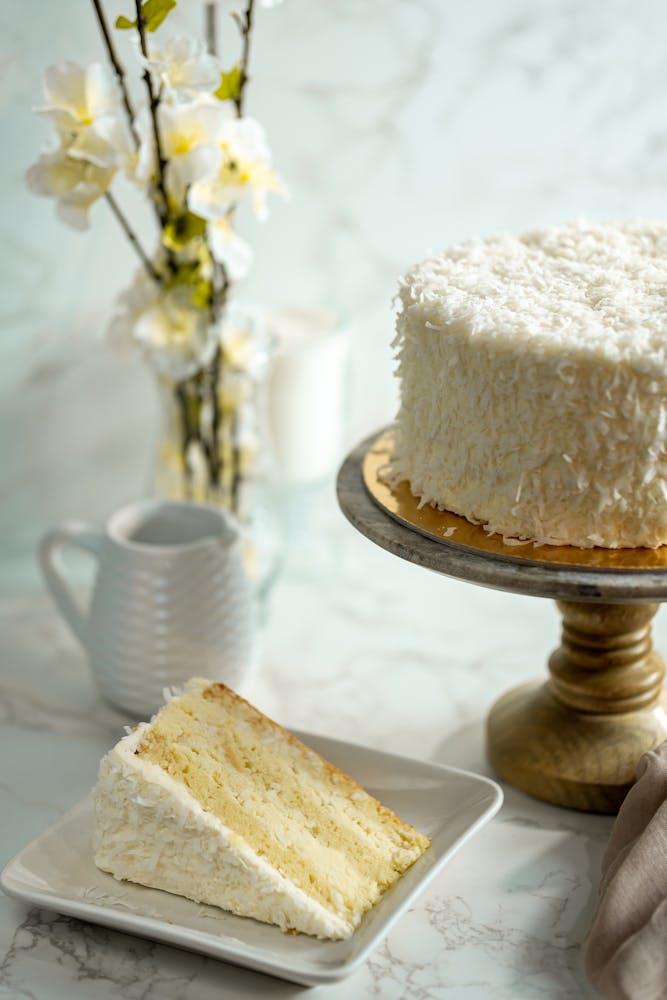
[533, 376]
[150, 829]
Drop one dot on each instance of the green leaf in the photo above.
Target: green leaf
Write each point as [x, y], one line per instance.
[202, 294]
[230, 84]
[154, 13]
[185, 274]
[178, 233]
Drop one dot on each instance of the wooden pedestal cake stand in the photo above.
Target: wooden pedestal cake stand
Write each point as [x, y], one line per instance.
[576, 739]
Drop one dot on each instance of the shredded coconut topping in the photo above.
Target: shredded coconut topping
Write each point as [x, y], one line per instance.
[533, 373]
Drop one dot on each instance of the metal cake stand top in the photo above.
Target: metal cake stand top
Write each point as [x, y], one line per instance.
[634, 576]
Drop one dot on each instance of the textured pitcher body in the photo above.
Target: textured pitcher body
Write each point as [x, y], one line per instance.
[168, 603]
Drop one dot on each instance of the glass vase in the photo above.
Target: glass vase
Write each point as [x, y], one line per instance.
[212, 446]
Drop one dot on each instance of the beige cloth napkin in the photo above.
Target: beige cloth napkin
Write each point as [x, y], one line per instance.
[625, 953]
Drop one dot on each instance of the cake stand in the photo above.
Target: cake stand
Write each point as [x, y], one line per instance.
[575, 739]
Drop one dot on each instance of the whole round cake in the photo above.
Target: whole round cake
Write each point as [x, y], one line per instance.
[533, 384]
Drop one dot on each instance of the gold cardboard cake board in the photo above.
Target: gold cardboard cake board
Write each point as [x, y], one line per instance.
[451, 529]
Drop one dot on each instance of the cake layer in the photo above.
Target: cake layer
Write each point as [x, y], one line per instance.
[533, 384]
[216, 802]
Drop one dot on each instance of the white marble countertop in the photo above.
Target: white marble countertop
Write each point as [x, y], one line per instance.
[361, 646]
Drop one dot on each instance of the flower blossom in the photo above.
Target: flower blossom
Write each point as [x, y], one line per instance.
[213, 159]
[183, 67]
[83, 104]
[75, 183]
[187, 133]
[229, 249]
[176, 336]
[243, 170]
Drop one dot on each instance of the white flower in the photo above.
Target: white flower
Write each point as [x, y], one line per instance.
[187, 133]
[83, 104]
[76, 184]
[229, 249]
[174, 335]
[184, 67]
[244, 171]
[238, 342]
[134, 300]
[177, 336]
[213, 160]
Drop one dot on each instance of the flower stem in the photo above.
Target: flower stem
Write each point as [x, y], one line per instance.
[214, 375]
[246, 32]
[162, 204]
[236, 468]
[207, 382]
[211, 32]
[246, 25]
[118, 68]
[186, 434]
[127, 229]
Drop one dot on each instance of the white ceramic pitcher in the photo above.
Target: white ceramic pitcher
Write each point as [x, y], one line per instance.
[171, 599]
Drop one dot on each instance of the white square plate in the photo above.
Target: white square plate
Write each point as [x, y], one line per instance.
[56, 871]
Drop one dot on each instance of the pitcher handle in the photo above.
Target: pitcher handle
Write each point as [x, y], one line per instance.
[80, 536]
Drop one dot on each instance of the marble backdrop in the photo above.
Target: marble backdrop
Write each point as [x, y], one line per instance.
[399, 128]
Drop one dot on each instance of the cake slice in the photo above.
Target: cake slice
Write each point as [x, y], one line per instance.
[214, 801]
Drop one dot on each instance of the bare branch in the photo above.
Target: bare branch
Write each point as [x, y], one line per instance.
[127, 229]
[118, 68]
[153, 103]
[211, 29]
[246, 23]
